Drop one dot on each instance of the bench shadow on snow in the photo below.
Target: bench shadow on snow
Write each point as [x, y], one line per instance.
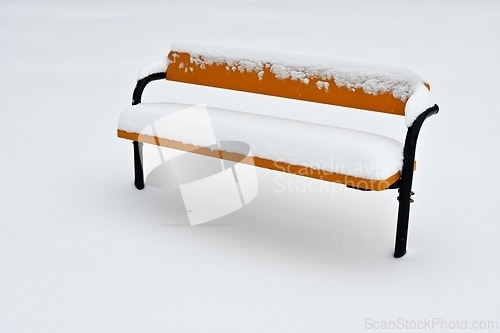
[307, 227]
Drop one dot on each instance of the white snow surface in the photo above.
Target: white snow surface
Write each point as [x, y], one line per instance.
[81, 250]
[158, 66]
[420, 100]
[373, 77]
[321, 147]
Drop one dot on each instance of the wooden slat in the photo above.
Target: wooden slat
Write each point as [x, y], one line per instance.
[222, 76]
[367, 184]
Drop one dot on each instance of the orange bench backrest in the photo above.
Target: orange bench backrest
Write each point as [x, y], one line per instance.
[237, 72]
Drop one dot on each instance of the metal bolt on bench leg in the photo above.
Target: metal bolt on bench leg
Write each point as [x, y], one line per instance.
[411, 200]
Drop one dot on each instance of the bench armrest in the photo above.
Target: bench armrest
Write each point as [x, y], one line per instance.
[158, 66]
[419, 103]
[156, 70]
[142, 83]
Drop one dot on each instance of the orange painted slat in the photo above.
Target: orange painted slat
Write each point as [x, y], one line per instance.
[181, 69]
[367, 184]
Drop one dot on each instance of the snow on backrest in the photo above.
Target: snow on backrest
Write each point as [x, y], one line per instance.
[345, 82]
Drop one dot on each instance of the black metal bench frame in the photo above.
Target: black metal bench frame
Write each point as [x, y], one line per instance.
[404, 184]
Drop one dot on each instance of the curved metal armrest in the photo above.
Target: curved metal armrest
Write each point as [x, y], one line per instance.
[410, 147]
[412, 135]
[415, 127]
[142, 83]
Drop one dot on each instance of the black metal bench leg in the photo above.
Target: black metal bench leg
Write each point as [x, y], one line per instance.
[136, 99]
[403, 220]
[139, 173]
[406, 180]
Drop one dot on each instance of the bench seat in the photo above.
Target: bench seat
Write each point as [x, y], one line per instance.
[358, 159]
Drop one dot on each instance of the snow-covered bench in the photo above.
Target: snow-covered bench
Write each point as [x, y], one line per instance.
[360, 160]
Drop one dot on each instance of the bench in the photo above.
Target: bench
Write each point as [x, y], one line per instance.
[363, 161]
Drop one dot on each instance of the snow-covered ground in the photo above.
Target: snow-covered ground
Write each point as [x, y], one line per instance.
[82, 251]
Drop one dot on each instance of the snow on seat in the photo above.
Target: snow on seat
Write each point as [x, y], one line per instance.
[351, 157]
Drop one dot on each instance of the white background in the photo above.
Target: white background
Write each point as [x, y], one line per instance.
[81, 250]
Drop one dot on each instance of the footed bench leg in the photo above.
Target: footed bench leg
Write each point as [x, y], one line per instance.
[139, 174]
